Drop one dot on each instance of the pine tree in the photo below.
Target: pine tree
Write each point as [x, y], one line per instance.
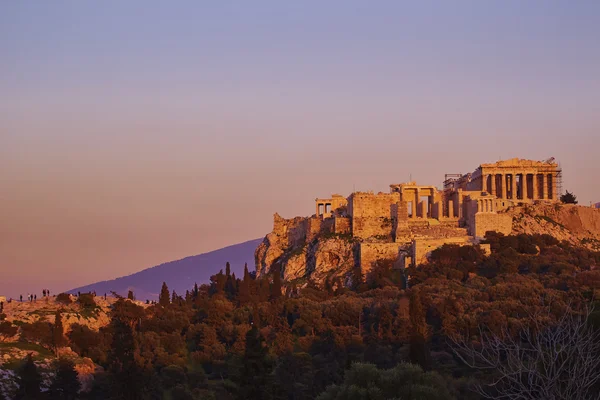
[130, 295]
[227, 269]
[58, 332]
[65, 385]
[164, 297]
[29, 381]
[174, 297]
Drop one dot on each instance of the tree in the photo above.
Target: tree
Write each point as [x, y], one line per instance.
[420, 331]
[65, 385]
[255, 379]
[7, 330]
[58, 332]
[405, 381]
[130, 295]
[559, 361]
[568, 198]
[164, 299]
[276, 287]
[29, 381]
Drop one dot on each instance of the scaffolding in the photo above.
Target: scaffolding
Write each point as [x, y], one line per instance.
[558, 169]
[450, 179]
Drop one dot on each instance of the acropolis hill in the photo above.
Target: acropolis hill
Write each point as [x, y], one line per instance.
[403, 226]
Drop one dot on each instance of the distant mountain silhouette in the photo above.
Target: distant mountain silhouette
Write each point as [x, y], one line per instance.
[180, 275]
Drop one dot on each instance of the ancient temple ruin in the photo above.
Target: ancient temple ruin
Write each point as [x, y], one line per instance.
[407, 223]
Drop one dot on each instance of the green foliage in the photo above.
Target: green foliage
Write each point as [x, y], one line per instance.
[86, 300]
[58, 332]
[29, 381]
[164, 298]
[405, 381]
[64, 298]
[65, 385]
[568, 198]
[7, 330]
[236, 338]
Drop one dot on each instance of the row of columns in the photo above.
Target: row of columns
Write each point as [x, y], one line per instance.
[521, 191]
[421, 208]
[322, 208]
[485, 205]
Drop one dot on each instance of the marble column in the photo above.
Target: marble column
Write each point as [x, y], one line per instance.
[416, 206]
[493, 182]
[535, 186]
[544, 187]
[503, 186]
[513, 186]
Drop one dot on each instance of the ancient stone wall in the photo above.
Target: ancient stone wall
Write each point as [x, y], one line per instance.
[342, 225]
[422, 247]
[313, 228]
[373, 214]
[372, 253]
[492, 222]
[291, 230]
[328, 226]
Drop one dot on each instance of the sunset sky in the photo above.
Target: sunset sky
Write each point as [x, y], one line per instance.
[138, 132]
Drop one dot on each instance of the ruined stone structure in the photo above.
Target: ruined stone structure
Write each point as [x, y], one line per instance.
[403, 226]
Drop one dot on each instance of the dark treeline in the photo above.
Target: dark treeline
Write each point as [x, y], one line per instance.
[249, 338]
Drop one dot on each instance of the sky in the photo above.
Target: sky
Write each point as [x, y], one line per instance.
[139, 132]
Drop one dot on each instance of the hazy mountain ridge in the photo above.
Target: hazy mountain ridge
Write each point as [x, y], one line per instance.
[180, 275]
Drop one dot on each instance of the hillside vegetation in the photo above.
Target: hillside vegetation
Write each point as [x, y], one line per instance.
[249, 338]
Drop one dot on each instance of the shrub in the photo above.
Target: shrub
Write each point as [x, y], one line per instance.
[7, 330]
[64, 298]
[86, 300]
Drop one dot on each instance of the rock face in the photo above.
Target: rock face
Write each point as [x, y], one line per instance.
[326, 256]
[578, 225]
[44, 310]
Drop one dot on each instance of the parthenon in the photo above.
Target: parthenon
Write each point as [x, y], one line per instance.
[514, 179]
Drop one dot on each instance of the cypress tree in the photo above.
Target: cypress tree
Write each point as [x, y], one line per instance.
[58, 332]
[65, 385]
[29, 381]
[164, 297]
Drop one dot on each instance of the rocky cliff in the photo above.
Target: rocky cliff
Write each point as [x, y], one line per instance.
[317, 249]
[578, 225]
[302, 254]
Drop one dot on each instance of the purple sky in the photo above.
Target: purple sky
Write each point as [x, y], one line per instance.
[134, 133]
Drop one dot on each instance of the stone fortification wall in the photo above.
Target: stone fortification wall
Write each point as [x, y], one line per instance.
[292, 231]
[343, 225]
[422, 247]
[373, 215]
[492, 222]
[372, 253]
